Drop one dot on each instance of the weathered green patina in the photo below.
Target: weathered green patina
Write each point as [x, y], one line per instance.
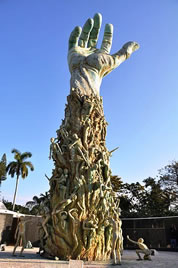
[82, 218]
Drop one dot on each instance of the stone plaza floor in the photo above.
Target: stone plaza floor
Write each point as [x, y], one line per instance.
[163, 259]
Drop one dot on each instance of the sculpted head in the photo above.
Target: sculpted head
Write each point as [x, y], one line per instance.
[74, 213]
[59, 170]
[66, 171]
[22, 218]
[119, 211]
[140, 240]
[52, 140]
[63, 215]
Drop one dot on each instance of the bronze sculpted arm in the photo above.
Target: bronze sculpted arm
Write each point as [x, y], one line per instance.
[87, 64]
[132, 240]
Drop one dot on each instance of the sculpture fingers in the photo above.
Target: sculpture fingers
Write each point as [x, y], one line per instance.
[124, 53]
[107, 39]
[74, 36]
[130, 47]
[83, 40]
[93, 38]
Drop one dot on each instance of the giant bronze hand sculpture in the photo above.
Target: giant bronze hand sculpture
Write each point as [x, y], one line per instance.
[87, 64]
[80, 155]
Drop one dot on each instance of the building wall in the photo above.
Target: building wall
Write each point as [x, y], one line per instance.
[5, 226]
[154, 231]
[8, 226]
[32, 228]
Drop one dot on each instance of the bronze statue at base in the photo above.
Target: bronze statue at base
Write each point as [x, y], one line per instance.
[143, 249]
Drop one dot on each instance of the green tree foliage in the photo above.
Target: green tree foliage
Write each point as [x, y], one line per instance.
[19, 208]
[169, 174]
[3, 168]
[131, 196]
[169, 181]
[19, 167]
[154, 197]
[37, 206]
[157, 200]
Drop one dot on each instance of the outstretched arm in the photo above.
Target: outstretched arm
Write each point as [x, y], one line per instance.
[132, 240]
[69, 212]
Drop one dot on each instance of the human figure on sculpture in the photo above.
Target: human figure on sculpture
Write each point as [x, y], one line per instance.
[143, 249]
[20, 235]
[55, 177]
[60, 223]
[61, 184]
[79, 190]
[41, 234]
[86, 129]
[87, 108]
[95, 195]
[62, 133]
[108, 238]
[46, 217]
[63, 204]
[89, 229]
[54, 148]
[117, 239]
[77, 152]
[101, 245]
[74, 225]
[60, 218]
[56, 153]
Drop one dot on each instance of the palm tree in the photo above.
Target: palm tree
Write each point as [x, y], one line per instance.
[19, 168]
[39, 204]
[34, 206]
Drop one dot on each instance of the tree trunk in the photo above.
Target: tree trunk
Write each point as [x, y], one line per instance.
[15, 193]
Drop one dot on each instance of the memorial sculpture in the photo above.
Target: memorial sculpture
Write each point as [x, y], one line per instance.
[117, 238]
[20, 235]
[143, 249]
[82, 198]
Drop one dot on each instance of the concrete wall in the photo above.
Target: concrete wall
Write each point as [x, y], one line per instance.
[32, 228]
[5, 226]
[8, 225]
[155, 231]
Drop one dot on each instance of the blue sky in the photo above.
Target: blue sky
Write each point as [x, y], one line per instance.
[140, 97]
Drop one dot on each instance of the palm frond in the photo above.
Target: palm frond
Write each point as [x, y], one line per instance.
[17, 154]
[30, 203]
[11, 164]
[25, 155]
[36, 199]
[12, 168]
[23, 171]
[30, 165]
[15, 151]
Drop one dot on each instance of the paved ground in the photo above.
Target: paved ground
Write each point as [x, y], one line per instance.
[33, 260]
